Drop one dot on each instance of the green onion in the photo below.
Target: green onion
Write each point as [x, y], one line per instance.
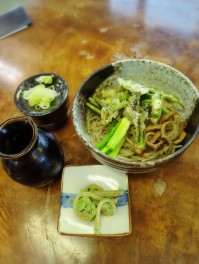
[93, 102]
[115, 152]
[119, 133]
[98, 101]
[105, 140]
[94, 108]
[40, 96]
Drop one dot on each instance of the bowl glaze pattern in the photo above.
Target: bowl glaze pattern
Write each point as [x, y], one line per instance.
[148, 73]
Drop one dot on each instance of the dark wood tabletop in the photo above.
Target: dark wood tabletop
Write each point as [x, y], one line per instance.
[74, 38]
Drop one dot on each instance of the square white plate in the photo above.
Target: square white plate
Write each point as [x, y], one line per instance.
[75, 178]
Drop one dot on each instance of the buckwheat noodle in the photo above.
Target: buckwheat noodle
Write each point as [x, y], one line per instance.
[162, 139]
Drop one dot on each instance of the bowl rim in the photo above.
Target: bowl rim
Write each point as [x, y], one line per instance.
[47, 112]
[132, 164]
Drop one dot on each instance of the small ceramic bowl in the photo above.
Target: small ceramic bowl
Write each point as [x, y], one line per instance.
[151, 74]
[57, 114]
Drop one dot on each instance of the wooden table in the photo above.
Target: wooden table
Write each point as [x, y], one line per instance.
[73, 38]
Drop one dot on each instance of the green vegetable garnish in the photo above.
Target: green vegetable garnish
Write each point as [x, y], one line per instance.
[94, 108]
[46, 79]
[115, 152]
[40, 96]
[156, 108]
[92, 201]
[106, 139]
[119, 133]
[135, 107]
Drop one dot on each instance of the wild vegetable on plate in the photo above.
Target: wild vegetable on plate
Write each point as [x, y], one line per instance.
[92, 201]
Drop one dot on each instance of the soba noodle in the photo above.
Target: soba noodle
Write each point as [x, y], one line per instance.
[163, 134]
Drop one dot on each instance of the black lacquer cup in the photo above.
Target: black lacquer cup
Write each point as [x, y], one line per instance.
[57, 114]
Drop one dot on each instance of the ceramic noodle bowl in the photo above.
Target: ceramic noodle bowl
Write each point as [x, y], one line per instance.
[149, 74]
[30, 155]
